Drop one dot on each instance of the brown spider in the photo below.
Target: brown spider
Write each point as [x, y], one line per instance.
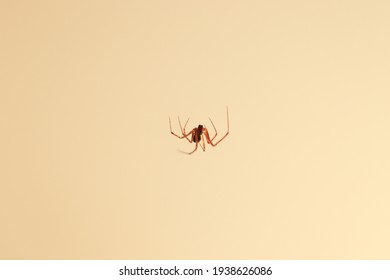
[198, 132]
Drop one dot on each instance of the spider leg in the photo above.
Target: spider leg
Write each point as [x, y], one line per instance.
[183, 130]
[227, 133]
[180, 137]
[196, 147]
[214, 129]
[196, 142]
[170, 126]
[204, 145]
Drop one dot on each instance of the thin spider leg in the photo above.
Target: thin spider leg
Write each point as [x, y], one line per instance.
[191, 132]
[195, 136]
[181, 137]
[227, 133]
[206, 133]
[214, 130]
[183, 130]
[204, 145]
[196, 147]
[185, 124]
[170, 126]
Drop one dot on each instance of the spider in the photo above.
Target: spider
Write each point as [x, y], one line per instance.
[197, 134]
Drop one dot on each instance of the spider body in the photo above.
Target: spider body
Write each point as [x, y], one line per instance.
[198, 134]
[196, 137]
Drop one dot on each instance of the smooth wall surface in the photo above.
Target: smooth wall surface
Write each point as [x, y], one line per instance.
[89, 169]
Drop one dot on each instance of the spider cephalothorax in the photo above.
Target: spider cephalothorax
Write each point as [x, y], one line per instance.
[198, 134]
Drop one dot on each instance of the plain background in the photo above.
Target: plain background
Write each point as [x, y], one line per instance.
[89, 169]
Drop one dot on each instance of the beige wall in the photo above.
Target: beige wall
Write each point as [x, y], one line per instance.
[89, 169]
